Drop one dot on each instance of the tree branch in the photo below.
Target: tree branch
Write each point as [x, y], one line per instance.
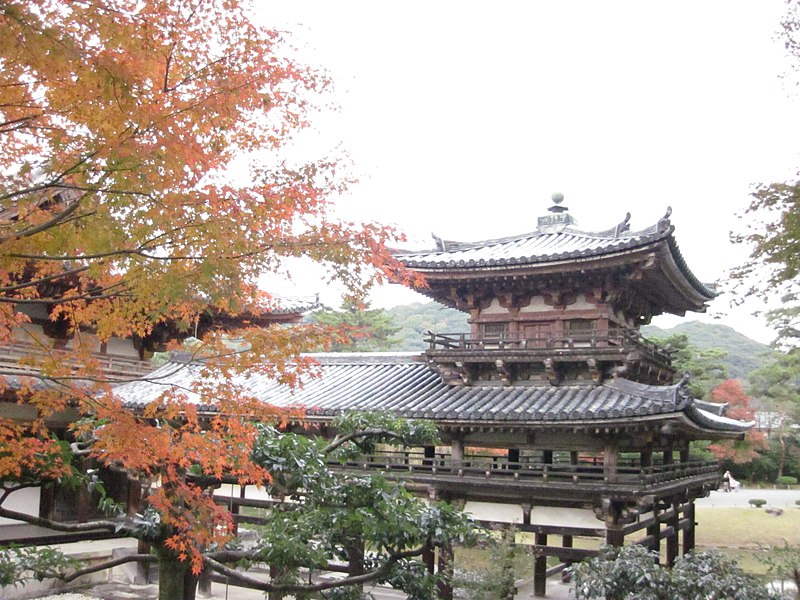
[69, 299]
[71, 208]
[296, 588]
[109, 564]
[34, 282]
[57, 525]
[340, 440]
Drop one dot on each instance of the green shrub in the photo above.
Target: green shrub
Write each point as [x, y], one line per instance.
[786, 480]
[631, 572]
[757, 502]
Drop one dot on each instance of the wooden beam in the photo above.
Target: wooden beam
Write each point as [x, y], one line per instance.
[565, 554]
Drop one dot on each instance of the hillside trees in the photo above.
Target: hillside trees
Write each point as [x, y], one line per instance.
[417, 319]
[361, 328]
[706, 368]
[119, 122]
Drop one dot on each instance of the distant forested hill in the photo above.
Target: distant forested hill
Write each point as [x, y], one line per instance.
[744, 355]
[415, 320]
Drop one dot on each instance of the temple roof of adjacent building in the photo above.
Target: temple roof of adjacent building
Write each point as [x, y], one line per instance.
[405, 385]
[557, 241]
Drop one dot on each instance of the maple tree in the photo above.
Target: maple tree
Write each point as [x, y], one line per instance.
[772, 231]
[731, 392]
[124, 125]
[322, 516]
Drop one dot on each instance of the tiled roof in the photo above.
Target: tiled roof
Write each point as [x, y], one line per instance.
[536, 247]
[548, 244]
[405, 385]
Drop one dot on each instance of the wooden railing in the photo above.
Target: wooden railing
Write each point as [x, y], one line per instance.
[415, 464]
[24, 358]
[624, 339]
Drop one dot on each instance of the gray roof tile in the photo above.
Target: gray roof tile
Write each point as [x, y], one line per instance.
[407, 386]
[548, 244]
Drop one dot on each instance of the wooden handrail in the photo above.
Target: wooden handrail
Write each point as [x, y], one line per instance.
[612, 338]
[408, 464]
[21, 357]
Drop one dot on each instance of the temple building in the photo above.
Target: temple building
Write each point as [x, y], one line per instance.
[553, 406]
[44, 340]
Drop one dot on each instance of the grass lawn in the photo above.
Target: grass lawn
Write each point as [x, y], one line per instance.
[748, 527]
[739, 533]
[743, 533]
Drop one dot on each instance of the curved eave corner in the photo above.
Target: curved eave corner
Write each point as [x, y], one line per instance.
[703, 290]
[721, 426]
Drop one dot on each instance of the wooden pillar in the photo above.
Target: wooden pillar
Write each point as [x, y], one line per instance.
[668, 460]
[612, 513]
[688, 533]
[234, 508]
[573, 457]
[547, 457]
[684, 454]
[566, 542]
[610, 460]
[614, 535]
[457, 452]
[136, 494]
[672, 540]
[654, 531]
[540, 568]
[647, 458]
[513, 458]
[429, 456]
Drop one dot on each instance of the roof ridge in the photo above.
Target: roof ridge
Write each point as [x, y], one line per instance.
[663, 228]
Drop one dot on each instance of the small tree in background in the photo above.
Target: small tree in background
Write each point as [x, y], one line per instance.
[736, 451]
[359, 328]
[777, 387]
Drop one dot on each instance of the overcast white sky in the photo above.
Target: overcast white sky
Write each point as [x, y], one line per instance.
[462, 118]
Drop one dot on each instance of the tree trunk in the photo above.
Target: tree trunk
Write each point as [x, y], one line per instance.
[782, 458]
[275, 573]
[355, 558]
[190, 581]
[175, 578]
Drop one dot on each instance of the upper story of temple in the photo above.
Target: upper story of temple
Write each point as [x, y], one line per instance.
[558, 304]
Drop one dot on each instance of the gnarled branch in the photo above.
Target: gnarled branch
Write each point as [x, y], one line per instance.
[298, 588]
